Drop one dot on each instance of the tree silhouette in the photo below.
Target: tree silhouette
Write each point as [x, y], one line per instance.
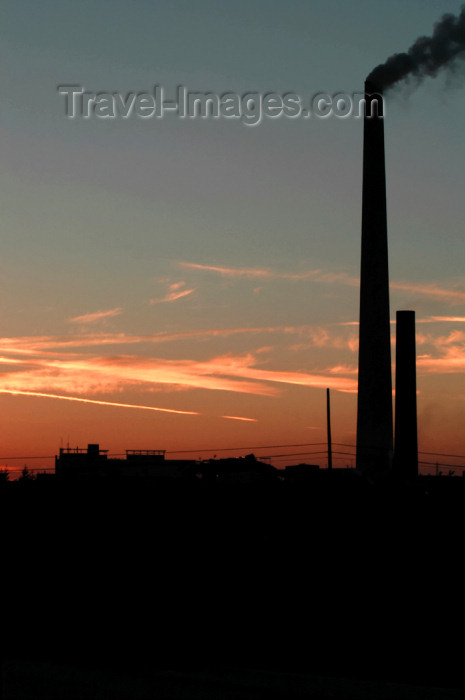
[26, 475]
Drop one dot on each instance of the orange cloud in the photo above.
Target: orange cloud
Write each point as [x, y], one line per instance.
[175, 293]
[442, 319]
[90, 375]
[451, 353]
[83, 374]
[94, 401]
[33, 344]
[451, 296]
[252, 420]
[243, 366]
[343, 369]
[250, 272]
[322, 337]
[96, 316]
[452, 362]
[268, 273]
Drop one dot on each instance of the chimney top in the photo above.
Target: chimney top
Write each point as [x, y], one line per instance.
[373, 88]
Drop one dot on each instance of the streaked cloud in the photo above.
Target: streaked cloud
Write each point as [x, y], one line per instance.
[442, 319]
[269, 273]
[446, 353]
[249, 420]
[320, 337]
[451, 362]
[95, 316]
[434, 291]
[241, 272]
[105, 375]
[16, 392]
[175, 292]
[343, 369]
[428, 319]
[32, 344]
[244, 366]
[81, 374]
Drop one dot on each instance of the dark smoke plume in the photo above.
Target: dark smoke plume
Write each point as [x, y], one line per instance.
[427, 55]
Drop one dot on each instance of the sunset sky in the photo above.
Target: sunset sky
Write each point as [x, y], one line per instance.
[193, 284]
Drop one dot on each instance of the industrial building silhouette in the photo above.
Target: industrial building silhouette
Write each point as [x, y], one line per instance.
[93, 463]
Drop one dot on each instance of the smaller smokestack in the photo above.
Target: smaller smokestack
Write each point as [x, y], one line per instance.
[406, 441]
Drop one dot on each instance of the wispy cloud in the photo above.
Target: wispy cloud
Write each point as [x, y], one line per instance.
[95, 316]
[434, 291]
[249, 420]
[447, 353]
[320, 337]
[269, 273]
[442, 319]
[105, 375]
[248, 272]
[17, 392]
[244, 367]
[428, 319]
[175, 292]
[451, 362]
[343, 369]
[81, 374]
[33, 344]
[172, 296]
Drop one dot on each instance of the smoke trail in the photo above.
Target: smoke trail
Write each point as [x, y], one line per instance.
[427, 55]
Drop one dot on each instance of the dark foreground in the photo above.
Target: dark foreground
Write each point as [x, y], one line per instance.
[215, 591]
[26, 680]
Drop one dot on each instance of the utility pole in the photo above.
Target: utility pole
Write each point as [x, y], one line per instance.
[328, 428]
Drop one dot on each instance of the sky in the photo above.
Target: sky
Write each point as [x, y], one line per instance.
[193, 284]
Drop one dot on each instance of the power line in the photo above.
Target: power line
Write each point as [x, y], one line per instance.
[299, 459]
[253, 447]
[218, 449]
[261, 447]
[441, 454]
[441, 464]
[292, 454]
[9, 458]
[421, 452]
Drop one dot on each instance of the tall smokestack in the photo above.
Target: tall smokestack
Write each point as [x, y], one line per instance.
[406, 442]
[427, 56]
[374, 409]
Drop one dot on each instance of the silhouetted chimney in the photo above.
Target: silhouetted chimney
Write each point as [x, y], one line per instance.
[374, 409]
[406, 441]
[93, 450]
